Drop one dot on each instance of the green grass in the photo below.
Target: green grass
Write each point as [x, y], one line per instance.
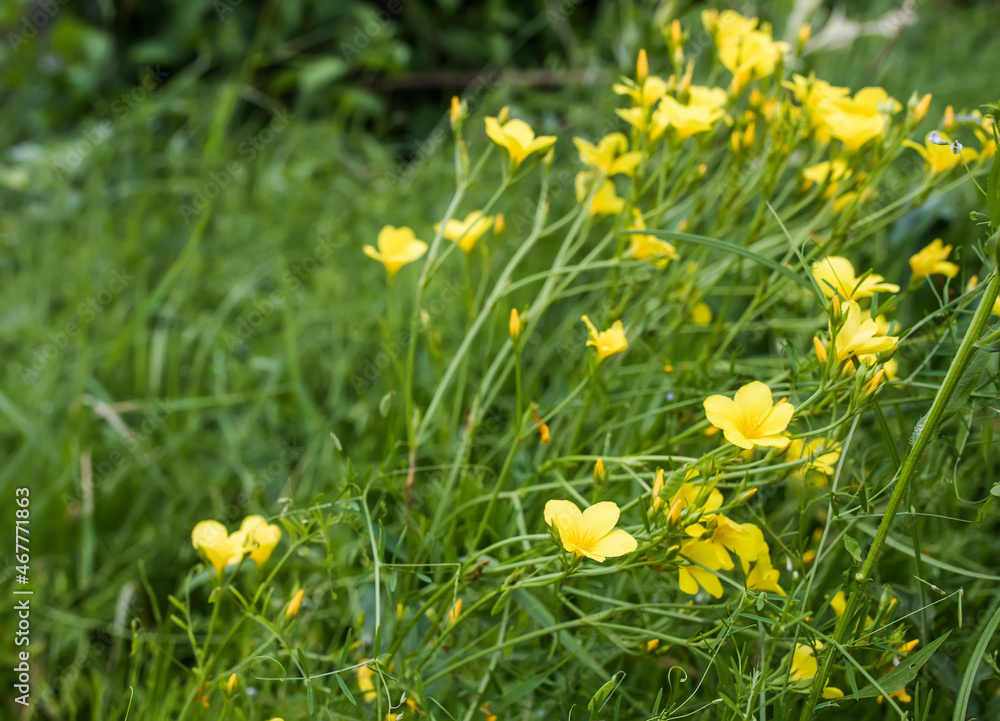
[163, 369]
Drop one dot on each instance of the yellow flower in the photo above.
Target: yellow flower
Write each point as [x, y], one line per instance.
[396, 248]
[821, 459]
[644, 96]
[605, 201]
[858, 337]
[839, 604]
[855, 121]
[652, 645]
[835, 276]
[940, 153]
[467, 232]
[515, 325]
[811, 94]
[829, 171]
[517, 137]
[744, 50]
[647, 247]
[591, 533]
[691, 577]
[701, 314]
[295, 604]
[932, 260]
[694, 496]
[764, 577]
[607, 342]
[804, 668]
[751, 419]
[744, 539]
[686, 120]
[256, 537]
[610, 155]
[366, 683]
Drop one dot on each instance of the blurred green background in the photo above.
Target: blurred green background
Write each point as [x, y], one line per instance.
[196, 355]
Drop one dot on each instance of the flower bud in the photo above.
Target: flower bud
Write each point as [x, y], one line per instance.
[295, 604]
[921, 110]
[652, 645]
[515, 325]
[502, 115]
[599, 474]
[455, 612]
[457, 111]
[231, 685]
[642, 67]
[498, 225]
[804, 32]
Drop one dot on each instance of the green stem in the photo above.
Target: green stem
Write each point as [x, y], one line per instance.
[904, 478]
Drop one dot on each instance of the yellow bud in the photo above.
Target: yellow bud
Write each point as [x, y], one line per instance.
[599, 470]
[734, 142]
[231, 685]
[973, 282]
[745, 496]
[642, 66]
[949, 118]
[675, 511]
[682, 225]
[653, 644]
[455, 612]
[676, 36]
[748, 134]
[836, 306]
[400, 611]
[657, 487]
[515, 325]
[686, 80]
[820, 350]
[871, 385]
[295, 604]
[804, 32]
[922, 106]
[455, 114]
[808, 557]
[498, 224]
[502, 115]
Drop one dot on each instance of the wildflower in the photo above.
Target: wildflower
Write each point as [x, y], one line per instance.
[693, 576]
[610, 155]
[694, 496]
[366, 682]
[652, 645]
[517, 138]
[751, 419]
[295, 604]
[820, 458]
[467, 232]
[931, 260]
[725, 535]
[648, 247]
[701, 314]
[231, 684]
[515, 325]
[396, 248]
[835, 276]
[605, 201]
[812, 93]
[643, 96]
[607, 342]
[543, 429]
[858, 337]
[591, 533]
[855, 121]
[763, 576]
[804, 668]
[686, 120]
[828, 171]
[839, 604]
[744, 50]
[221, 548]
[940, 153]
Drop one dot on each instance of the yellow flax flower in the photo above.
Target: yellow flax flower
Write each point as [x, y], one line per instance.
[693, 576]
[605, 201]
[517, 138]
[811, 94]
[607, 342]
[860, 337]
[764, 577]
[698, 497]
[255, 537]
[835, 276]
[648, 247]
[610, 155]
[855, 121]
[804, 668]
[396, 248]
[940, 153]
[366, 683]
[751, 419]
[467, 232]
[820, 458]
[686, 120]
[932, 260]
[646, 95]
[591, 533]
[747, 52]
[829, 171]
[725, 535]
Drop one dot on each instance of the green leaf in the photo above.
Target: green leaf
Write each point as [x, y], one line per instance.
[904, 673]
[730, 248]
[347, 691]
[600, 698]
[853, 548]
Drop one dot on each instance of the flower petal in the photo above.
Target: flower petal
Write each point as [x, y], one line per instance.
[616, 543]
[561, 508]
[600, 518]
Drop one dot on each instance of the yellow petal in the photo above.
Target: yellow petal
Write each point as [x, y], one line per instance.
[561, 508]
[600, 518]
[616, 543]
